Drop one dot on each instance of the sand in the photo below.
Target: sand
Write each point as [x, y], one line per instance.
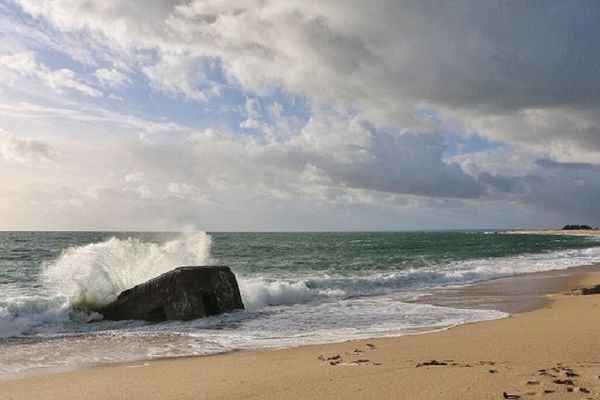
[550, 353]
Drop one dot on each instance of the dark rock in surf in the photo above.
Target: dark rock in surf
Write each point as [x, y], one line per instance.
[586, 291]
[184, 293]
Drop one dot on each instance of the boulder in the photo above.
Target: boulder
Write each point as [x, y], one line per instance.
[586, 291]
[184, 293]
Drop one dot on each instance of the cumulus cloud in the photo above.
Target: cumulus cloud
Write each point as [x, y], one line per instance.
[13, 148]
[496, 67]
[329, 156]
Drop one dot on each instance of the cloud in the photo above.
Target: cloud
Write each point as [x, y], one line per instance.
[496, 68]
[561, 191]
[23, 149]
[26, 65]
[301, 114]
[111, 77]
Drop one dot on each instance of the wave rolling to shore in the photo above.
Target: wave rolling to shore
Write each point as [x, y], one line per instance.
[298, 288]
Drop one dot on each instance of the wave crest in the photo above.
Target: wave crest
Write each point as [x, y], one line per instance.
[258, 293]
[96, 273]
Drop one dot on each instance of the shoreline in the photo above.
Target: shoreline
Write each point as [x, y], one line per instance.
[513, 294]
[495, 294]
[299, 363]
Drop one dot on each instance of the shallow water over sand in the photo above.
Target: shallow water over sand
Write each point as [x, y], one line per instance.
[298, 288]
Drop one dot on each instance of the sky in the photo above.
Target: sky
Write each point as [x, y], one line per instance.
[298, 115]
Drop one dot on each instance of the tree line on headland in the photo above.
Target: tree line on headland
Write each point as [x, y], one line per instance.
[577, 227]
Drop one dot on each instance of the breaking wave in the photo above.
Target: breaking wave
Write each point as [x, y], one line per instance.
[96, 273]
[93, 274]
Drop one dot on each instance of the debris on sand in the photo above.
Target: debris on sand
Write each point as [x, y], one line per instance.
[431, 363]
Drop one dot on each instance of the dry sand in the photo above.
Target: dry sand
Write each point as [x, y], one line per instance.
[549, 353]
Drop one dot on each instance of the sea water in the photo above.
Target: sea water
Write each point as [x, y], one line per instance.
[298, 288]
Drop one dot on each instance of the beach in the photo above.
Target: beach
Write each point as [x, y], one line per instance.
[299, 200]
[552, 352]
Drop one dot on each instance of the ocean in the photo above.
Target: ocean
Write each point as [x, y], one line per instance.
[298, 288]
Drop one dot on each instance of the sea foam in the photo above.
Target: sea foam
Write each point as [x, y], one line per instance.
[96, 273]
[285, 305]
[93, 274]
[258, 293]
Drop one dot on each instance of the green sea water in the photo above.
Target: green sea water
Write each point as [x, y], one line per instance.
[297, 287]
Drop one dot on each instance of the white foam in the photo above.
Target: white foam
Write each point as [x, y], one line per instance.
[96, 273]
[283, 307]
[273, 327]
[93, 274]
[450, 274]
[258, 293]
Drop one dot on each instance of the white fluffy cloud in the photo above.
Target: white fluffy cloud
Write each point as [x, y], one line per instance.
[13, 148]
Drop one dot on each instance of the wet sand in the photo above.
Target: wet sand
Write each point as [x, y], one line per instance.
[550, 353]
[515, 294]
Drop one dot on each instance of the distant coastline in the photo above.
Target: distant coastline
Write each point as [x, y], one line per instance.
[574, 232]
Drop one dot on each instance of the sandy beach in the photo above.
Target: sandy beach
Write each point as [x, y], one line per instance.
[552, 353]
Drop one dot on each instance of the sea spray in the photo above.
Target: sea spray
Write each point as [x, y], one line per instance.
[93, 274]
[298, 288]
[258, 293]
[96, 273]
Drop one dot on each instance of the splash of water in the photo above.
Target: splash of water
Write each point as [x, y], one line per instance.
[98, 272]
[258, 293]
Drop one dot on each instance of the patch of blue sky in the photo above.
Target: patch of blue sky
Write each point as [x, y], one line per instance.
[224, 108]
[458, 144]
[280, 103]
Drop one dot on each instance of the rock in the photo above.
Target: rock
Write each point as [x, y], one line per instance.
[586, 291]
[184, 293]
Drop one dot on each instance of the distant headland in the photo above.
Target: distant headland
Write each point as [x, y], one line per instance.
[578, 228]
[571, 229]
